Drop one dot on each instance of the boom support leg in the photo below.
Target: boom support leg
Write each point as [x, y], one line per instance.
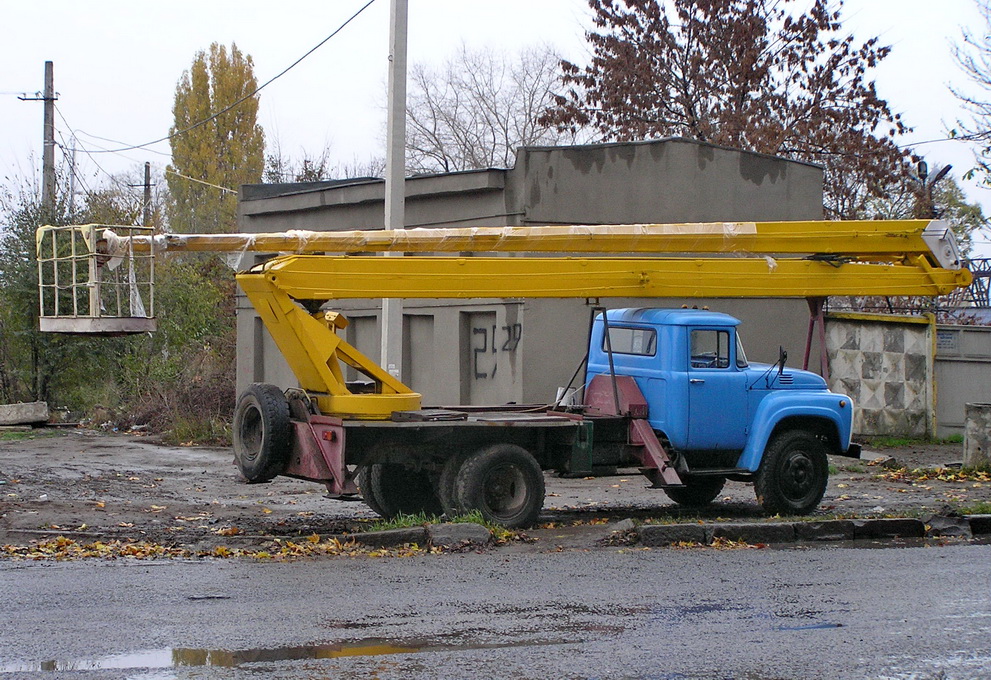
[817, 318]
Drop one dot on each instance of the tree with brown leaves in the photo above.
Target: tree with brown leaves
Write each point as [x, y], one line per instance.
[749, 74]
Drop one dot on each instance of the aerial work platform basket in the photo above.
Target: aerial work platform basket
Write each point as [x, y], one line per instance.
[92, 281]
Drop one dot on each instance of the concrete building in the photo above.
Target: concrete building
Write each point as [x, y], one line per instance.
[514, 350]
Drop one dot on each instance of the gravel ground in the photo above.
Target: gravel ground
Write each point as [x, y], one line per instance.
[90, 485]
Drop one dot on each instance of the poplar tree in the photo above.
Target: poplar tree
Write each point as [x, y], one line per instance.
[217, 143]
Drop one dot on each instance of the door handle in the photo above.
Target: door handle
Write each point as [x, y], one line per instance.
[696, 381]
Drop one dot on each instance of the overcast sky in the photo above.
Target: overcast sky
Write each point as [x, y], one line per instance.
[117, 63]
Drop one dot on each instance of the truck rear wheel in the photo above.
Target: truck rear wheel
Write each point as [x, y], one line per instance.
[697, 492]
[504, 483]
[445, 485]
[262, 433]
[793, 474]
[392, 490]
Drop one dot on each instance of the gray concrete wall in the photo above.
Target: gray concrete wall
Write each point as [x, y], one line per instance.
[885, 364]
[539, 342]
[464, 199]
[963, 374]
[449, 355]
[675, 180]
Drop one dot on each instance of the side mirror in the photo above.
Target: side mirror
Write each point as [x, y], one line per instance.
[782, 358]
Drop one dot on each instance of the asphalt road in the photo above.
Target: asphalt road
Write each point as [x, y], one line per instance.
[607, 613]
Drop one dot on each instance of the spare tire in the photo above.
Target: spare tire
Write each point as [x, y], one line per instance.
[262, 432]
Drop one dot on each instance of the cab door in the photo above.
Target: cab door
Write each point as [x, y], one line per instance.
[717, 392]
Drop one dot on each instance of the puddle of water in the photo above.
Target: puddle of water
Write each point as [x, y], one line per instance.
[179, 657]
[811, 626]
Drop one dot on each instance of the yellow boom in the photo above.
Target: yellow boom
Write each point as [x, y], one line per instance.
[733, 259]
[871, 240]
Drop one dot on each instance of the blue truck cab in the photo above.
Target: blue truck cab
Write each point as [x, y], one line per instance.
[720, 416]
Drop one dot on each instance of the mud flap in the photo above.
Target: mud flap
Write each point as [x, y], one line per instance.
[318, 454]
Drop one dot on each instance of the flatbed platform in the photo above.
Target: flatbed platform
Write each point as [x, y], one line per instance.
[474, 416]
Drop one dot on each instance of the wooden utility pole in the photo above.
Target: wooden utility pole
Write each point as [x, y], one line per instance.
[395, 173]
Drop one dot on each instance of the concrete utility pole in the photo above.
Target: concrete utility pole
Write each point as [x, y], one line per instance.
[72, 177]
[395, 173]
[146, 216]
[48, 151]
[48, 154]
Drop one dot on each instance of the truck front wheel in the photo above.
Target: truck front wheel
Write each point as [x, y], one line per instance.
[504, 483]
[262, 433]
[392, 490]
[793, 474]
[696, 493]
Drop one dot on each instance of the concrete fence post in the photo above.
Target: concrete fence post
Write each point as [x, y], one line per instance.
[977, 436]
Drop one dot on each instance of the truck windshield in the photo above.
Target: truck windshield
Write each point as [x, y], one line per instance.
[741, 357]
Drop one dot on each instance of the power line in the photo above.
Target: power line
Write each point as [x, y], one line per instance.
[85, 151]
[114, 141]
[114, 179]
[246, 97]
[169, 171]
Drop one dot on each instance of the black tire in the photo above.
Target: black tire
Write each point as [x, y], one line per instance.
[392, 490]
[504, 483]
[793, 474]
[262, 432]
[696, 493]
[445, 485]
[299, 406]
[365, 487]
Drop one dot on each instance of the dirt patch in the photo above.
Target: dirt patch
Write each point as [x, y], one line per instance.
[90, 485]
[87, 484]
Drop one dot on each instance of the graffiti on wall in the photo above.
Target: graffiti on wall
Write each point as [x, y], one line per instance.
[488, 342]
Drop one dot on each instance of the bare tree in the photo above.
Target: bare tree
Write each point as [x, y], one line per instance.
[974, 58]
[478, 108]
[282, 168]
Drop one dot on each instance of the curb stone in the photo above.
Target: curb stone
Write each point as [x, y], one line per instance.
[752, 532]
[391, 538]
[449, 535]
[828, 530]
[980, 524]
[938, 525]
[657, 535]
[898, 527]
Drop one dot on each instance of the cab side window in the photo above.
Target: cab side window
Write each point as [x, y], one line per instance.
[639, 341]
[710, 349]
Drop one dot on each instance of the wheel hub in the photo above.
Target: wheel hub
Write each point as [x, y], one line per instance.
[798, 476]
[505, 489]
